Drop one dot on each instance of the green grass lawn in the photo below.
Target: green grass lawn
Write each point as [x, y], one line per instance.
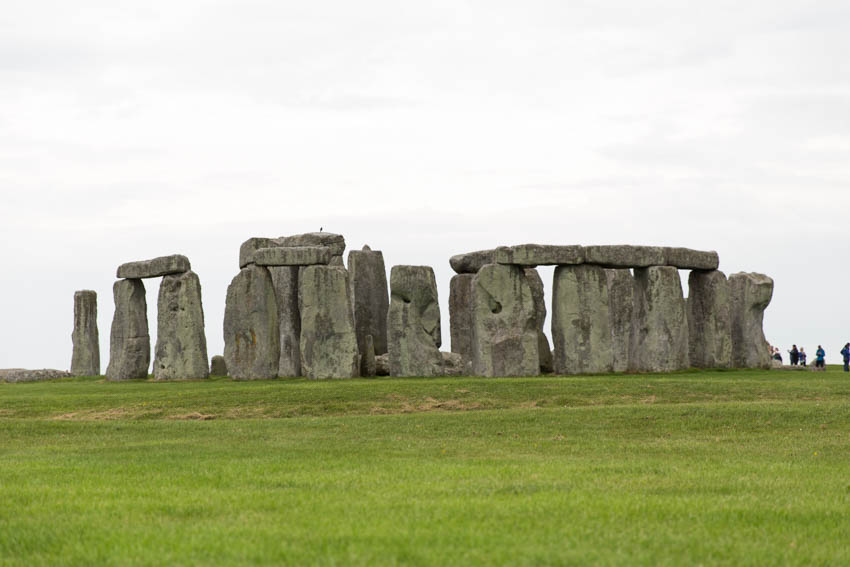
[715, 468]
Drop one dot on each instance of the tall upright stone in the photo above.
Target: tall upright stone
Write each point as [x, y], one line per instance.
[504, 341]
[749, 295]
[85, 359]
[460, 314]
[285, 281]
[251, 332]
[621, 298]
[709, 320]
[181, 343]
[413, 323]
[581, 327]
[659, 341]
[129, 338]
[369, 296]
[328, 338]
[538, 293]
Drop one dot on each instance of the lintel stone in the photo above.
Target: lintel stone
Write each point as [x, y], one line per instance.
[294, 256]
[539, 255]
[687, 259]
[624, 256]
[162, 266]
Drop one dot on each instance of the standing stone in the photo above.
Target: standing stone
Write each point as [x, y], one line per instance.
[285, 280]
[413, 323]
[85, 360]
[251, 333]
[181, 344]
[368, 366]
[505, 341]
[581, 327]
[709, 320]
[460, 314]
[659, 340]
[129, 341]
[749, 294]
[328, 339]
[218, 367]
[370, 297]
[621, 297]
[539, 296]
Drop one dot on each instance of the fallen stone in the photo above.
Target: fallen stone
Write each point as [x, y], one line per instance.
[13, 375]
[460, 314]
[749, 295]
[335, 242]
[413, 323]
[621, 296]
[581, 330]
[453, 364]
[504, 341]
[285, 281]
[292, 256]
[687, 259]
[85, 358]
[129, 338]
[367, 358]
[709, 320]
[162, 266]
[382, 365]
[369, 296]
[538, 294]
[328, 338]
[181, 343]
[251, 331]
[247, 249]
[218, 367]
[471, 262]
[659, 340]
[539, 255]
[624, 256]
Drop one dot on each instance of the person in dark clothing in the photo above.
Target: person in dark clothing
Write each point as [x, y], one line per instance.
[803, 356]
[820, 355]
[845, 352]
[794, 355]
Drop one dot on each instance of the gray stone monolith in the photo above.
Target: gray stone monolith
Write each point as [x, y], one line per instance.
[369, 297]
[471, 262]
[538, 293]
[251, 331]
[709, 320]
[460, 314]
[581, 327]
[335, 242]
[154, 268]
[624, 256]
[659, 341]
[505, 341]
[687, 259]
[328, 338]
[749, 295]
[85, 358]
[367, 358]
[285, 280]
[247, 249]
[181, 343]
[291, 256]
[621, 297]
[413, 322]
[129, 338]
[539, 255]
[218, 367]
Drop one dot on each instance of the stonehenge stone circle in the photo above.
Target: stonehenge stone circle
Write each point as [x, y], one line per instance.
[621, 294]
[181, 344]
[471, 262]
[413, 323]
[293, 256]
[162, 266]
[251, 331]
[581, 329]
[285, 282]
[709, 320]
[460, 314]
[85, 358]
[328, 338]
[659, 341]
[750, 294]
[218, 367]
[504, 341]
[129, 338]
[369, 297]
[539, 255]
[538, 295]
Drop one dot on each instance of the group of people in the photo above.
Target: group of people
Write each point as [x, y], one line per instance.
[798, 356]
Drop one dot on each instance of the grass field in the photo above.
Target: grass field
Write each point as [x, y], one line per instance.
[714, 468]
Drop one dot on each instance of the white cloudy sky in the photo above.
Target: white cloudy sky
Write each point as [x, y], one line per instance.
[130, 130]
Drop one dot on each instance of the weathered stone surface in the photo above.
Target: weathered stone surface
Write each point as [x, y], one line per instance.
[285, 280]
[624, 256]
[247, 249]
[659, 340]
[749, 295]
[367, 358]
[504, 341]
[129, 338]
[382, 365]
[709, 320]
[413, 322]
[471, 262]
[12, 375]
[460, 314]
[181, 343]
[687, 259]
[538, 294]
[539, 255]
[218, 367]
[162, 266]
[581, 330]
[621, 297]
[85, 358]
[369, 296]
[251, 331]
[292, 256]
[335, 242]
[454, 364]
[328, 339]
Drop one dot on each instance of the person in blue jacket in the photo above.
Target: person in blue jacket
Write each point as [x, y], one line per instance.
[845, 352]
[820, 355]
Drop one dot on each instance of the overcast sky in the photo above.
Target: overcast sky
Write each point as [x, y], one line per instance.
[131, 130]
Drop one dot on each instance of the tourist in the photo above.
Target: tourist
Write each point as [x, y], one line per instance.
[820, 354]
[845, 353]
[776, 354]
[803, 356]
[794, 355]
